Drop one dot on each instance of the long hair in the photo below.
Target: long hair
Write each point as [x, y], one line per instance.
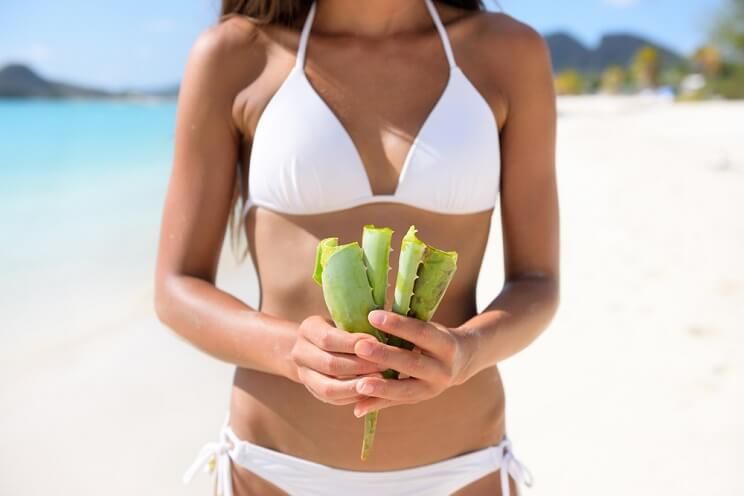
[292, 12]
[288, 13]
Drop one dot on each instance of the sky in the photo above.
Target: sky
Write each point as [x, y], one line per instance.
[144, 43]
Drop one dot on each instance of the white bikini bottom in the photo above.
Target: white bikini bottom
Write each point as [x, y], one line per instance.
[299, 477]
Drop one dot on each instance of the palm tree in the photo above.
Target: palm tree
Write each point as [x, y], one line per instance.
[646, 66]
[613, 79]
[707, 59]
[569, 82]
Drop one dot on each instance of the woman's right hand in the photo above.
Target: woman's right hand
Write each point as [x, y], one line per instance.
[326, 363]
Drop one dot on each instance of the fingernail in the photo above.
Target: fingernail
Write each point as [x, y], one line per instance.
[358, 413]
[365, 347]
[376, 317]
[365, 387]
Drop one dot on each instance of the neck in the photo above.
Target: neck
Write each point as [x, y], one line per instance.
[371, 18]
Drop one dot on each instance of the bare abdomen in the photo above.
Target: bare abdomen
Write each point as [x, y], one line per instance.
[276, 413]
[279, 414]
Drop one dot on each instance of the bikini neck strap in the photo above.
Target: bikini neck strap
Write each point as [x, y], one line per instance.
[305, 34]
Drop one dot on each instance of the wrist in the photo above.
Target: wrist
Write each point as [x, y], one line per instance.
[279, 340]
[289, 368]
[469, 341]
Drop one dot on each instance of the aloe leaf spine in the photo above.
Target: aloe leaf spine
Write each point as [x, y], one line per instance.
[434, 276]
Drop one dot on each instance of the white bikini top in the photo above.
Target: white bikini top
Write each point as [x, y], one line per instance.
[303, 160]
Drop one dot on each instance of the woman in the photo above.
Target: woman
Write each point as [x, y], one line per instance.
[332, 115]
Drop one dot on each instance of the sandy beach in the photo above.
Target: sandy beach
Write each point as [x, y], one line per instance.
[636, 387]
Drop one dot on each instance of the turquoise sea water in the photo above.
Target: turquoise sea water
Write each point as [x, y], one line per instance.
[81, 190]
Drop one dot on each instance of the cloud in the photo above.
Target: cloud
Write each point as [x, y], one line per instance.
[621, 4]
[159, 26]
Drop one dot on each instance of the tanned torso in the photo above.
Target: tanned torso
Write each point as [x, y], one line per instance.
[381, 91]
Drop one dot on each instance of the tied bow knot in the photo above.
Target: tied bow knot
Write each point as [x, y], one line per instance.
[510, 466]
[214, 458]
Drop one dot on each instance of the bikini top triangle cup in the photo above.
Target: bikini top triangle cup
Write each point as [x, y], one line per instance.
[303, 160]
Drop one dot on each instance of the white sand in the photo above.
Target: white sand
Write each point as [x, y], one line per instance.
[635, 389]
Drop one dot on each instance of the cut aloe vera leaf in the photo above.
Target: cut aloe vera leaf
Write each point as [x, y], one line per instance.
[376, 248]
[346, 289]
[434, 276]
[370, 428]
[424, 274]
[412, 252]
[324, 249]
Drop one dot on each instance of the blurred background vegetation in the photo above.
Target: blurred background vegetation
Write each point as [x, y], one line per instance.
[704, 63]
[713, 70]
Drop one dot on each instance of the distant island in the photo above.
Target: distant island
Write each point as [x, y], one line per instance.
[21, 81]
[616, 49]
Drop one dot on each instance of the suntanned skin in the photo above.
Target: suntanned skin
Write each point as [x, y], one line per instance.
[380, 66]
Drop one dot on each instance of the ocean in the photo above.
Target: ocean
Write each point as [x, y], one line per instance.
[81, 190]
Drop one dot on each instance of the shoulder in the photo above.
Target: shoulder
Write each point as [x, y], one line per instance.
[228, 40]
[224, 59]
[505, 58]
[513, 39]
[514, 56]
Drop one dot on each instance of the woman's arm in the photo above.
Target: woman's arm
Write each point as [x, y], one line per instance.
[529, 299]
[194, 222]
[529, 214]
[197, 206]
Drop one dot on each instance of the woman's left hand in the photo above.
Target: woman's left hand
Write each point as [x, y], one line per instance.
[441, 361]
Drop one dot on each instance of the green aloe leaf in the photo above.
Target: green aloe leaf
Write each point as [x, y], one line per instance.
[346, 289]
[354, 279]
[424, 274]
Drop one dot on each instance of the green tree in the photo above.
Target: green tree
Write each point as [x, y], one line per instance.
[707, 59]
[728, 36]
[674, 75]
[731, 82]
[646, 67]
[729, 31]
[613, 79]
[569, 82]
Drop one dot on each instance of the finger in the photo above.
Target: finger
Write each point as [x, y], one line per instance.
[341, 402]
[413, 364]
[335, 364]
[330, 390]
[329, 338]
[403, 375]
[366, 405]
[423, 334]
[374, 374]
[395, 390]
